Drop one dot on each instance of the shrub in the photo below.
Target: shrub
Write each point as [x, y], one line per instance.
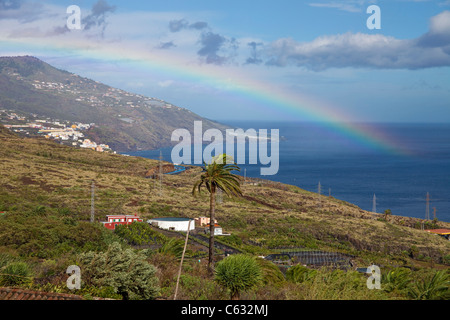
[139, 233]
[435, 286]
[238, 273]
[396, 280]
[125, 270]
[272, 275]
[15, 275]
[173, 247]
[300, 274]
[5, 259]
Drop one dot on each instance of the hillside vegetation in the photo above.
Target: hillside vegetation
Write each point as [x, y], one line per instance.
[45, 198]
[125, 121]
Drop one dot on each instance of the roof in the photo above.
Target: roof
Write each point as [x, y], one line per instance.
[215, 225]
[172, 219]
[123, 215]
[440, 231]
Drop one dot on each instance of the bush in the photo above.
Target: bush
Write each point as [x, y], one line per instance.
[272, 275]
[5, 259]
[198, 288]
[300, 274]
[338, 285]
[434, 286]
[125, 270]
[16, 275]
[47, 237]
[397, 280]
[173, 247]
[139, 233]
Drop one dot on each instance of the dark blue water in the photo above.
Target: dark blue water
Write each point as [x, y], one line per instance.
[353, 172]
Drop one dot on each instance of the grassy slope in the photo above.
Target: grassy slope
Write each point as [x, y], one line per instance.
[36, 172]
[274, 214]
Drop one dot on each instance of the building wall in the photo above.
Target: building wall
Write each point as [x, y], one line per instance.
[123, 220]
[203, 221]
[173, 225]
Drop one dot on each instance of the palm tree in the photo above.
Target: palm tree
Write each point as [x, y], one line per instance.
[217, 176]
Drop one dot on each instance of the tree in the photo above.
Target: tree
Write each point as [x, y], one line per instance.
[217, 176]
[125, 270]
[387, 213]
[238, 273]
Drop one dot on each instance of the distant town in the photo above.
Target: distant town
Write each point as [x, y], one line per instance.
[62, 131]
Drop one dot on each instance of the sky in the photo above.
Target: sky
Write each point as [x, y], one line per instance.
[315, 60]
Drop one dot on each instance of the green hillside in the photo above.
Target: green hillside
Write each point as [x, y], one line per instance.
[45, 205]
[124, 120]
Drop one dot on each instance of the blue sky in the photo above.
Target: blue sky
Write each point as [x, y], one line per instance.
[222, 59]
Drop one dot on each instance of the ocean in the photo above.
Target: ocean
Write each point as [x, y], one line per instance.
[349, 170]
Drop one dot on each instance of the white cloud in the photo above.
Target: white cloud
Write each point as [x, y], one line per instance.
[440, 23]
[361, 50]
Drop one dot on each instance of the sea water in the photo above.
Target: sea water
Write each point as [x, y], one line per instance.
[354, 171]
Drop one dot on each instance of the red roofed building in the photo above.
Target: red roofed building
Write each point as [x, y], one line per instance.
[113, 221]
[442, 232]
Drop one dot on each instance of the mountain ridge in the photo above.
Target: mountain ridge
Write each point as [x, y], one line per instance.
[126, 121]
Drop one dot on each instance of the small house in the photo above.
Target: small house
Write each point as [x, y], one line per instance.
[203, 221]
[218, 231]
[115, 220]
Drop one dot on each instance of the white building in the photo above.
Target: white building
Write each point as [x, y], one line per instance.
[218, 231]
[88, 144]
[173, 224]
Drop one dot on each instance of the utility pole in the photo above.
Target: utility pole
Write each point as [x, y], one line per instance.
[182, 259]
[374, 206]
[92, 201]
[427, 211]
[160, 173]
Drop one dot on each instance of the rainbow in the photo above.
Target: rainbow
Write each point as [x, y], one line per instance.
[290, 104]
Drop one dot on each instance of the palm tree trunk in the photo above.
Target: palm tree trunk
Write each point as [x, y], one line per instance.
[212, 211]
[235, 295]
